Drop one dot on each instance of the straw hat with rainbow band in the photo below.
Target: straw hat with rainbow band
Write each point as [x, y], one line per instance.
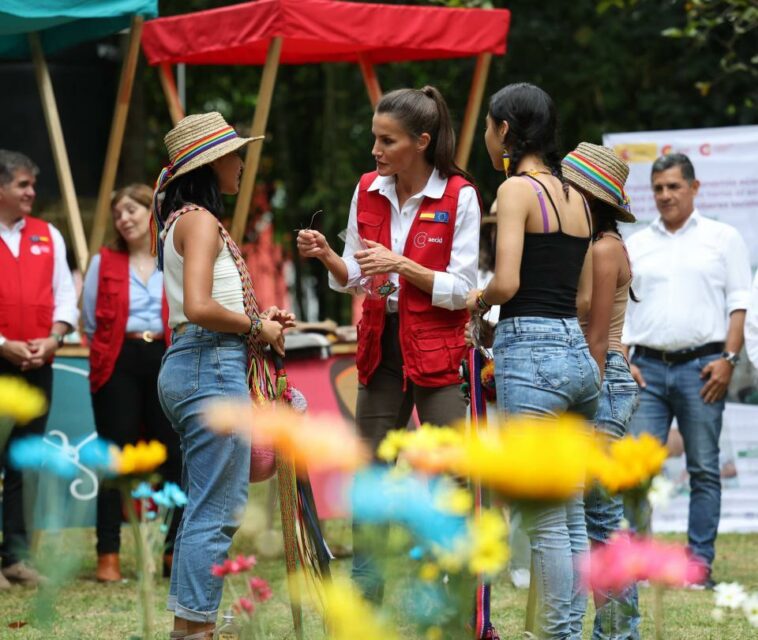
[195, 141]
[599, 171]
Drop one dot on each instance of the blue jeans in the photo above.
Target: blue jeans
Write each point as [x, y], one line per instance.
[543, 367]
[673, 390]
[199, 366]
[617, 616]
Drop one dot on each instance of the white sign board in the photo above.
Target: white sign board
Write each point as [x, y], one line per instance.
[726, 164]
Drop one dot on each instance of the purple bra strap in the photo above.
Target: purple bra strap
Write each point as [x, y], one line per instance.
[538, 190]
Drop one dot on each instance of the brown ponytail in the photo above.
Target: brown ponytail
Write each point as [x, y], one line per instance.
[425, 111]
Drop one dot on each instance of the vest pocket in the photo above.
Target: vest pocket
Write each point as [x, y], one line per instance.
[431, 354]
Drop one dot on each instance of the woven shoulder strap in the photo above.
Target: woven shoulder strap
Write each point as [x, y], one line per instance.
[259, 379]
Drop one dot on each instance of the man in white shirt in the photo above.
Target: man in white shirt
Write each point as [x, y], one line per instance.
[692, 279]
[37, 309]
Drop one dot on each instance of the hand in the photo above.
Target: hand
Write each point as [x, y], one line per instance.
[471, 304]
[486, 334]
[637, 375]
[273, 333]
[377, 259]
[717, 374]
[312, 244]
[42, 349]
[16, 352]
[282, 316]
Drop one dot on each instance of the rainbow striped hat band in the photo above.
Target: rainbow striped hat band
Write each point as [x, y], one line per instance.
[600, 172]
[195, 141]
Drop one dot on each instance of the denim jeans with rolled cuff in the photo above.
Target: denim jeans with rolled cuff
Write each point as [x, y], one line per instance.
[201, 366]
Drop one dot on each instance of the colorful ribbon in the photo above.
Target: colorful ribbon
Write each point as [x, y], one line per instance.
[598, 176]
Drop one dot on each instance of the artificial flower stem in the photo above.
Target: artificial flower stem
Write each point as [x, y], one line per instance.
[658, 611]
[146, 576]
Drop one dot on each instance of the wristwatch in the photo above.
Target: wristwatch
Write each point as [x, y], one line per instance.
[58, 338]
[731, 357]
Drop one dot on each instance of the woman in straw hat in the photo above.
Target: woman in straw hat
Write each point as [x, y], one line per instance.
[124, 313]
[217, 351]
[543, 271]
[601, 175]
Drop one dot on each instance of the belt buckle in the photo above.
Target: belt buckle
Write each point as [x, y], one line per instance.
[147, 336]
[664, 357]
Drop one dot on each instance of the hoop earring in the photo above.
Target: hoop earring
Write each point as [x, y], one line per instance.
[506, 163]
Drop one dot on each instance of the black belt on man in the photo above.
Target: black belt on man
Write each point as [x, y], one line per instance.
[680, 356]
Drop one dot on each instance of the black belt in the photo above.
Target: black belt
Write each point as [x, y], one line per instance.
[683, 355]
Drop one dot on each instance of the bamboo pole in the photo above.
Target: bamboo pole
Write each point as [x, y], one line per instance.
[62, 167]
[370, 80]
[253, 155]
[474, 104]
[120, 113]
[169, 91]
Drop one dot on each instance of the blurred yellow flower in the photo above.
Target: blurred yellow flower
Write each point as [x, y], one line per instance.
[529, 458]
[455, 500]
[348, 616]
[488, 547]
[143, 457]
[429, 572]
[628, 463]
[316, 442]
[20, 401]
[434, 633]
[428, 448]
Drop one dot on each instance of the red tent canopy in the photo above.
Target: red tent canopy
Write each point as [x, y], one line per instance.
[325, 31]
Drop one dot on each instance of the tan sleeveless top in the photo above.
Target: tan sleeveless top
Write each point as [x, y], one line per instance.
[618, 312]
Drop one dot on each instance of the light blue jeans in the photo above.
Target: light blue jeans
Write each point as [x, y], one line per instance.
[617, 616]
[543, 367]
[199, 366]
[674, 390]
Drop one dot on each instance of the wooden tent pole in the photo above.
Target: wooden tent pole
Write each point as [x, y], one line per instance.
[370, 80]
[62, 167]
[169, 91]
[120, 113]
[253, 155]
[474, 104]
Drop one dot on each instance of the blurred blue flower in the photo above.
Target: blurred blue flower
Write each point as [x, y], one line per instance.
[66, 460]
[143, 491]
[381, 495]
[171, 496]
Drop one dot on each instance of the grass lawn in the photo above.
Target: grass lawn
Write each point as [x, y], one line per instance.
[91, 611]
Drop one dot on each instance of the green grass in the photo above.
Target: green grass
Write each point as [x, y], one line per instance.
[87, 610]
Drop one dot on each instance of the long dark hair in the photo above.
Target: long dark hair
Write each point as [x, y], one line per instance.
[425, 111]
[199, 186]
[604, 221]
[532, 125]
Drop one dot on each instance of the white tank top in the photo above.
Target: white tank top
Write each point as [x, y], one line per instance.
[227, 286]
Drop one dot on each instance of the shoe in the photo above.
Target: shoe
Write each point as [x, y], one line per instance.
[24, 575]
[4, 584]
[706, 585]
[108, 568]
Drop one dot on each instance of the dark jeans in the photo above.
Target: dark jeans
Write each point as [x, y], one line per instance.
[15, 544]
[382, 406]
[127, 410]
[673, 390]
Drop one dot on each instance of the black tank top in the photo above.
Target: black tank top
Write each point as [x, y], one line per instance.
[550, 267]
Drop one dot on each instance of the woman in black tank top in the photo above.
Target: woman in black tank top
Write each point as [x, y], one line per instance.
[543, 367]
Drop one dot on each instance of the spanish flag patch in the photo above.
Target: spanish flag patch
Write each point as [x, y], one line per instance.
[435, 216]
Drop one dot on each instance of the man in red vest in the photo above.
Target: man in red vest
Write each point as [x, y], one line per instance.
[37, 309]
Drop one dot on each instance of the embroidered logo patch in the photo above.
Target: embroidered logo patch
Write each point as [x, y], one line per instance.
[435, 216]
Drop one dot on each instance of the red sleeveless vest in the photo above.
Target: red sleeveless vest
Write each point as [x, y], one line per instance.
[431, 338]
[27, 301]
[111, 316]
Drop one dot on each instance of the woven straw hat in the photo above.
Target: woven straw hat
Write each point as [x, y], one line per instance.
[197, 140]
[599, 171]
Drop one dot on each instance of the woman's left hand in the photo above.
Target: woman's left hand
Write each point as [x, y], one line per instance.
[282, 316]
[377, 259]
[471, 304]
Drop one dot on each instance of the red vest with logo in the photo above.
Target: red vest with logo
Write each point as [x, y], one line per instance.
[27, 301]
[111, 316]
[431, 338]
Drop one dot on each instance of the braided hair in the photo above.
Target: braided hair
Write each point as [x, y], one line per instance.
[532, 125]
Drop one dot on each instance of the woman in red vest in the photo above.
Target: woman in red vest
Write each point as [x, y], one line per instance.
[412, 245]
[125, 317]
